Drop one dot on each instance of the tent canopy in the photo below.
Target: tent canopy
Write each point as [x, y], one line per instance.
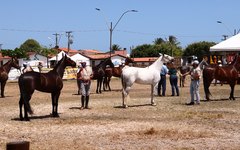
[231, 44]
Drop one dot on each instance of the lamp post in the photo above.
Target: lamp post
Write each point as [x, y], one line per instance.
[111, 27]
[232, 33]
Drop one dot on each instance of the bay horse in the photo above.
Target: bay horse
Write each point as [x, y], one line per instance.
[4, 71]
[50, 82]
[99, 73]
[149, 75]
[109, 73]
[183, 70]
[228, 73]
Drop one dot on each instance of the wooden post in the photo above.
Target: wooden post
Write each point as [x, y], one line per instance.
[18, 145]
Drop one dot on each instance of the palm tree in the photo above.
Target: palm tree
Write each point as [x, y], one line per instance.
[158, 41]
[116, 47]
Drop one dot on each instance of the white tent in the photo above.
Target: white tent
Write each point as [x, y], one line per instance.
[80, 58]
[229, 45]
[58, 56]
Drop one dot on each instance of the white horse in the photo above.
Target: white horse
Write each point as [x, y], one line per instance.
[148, 75]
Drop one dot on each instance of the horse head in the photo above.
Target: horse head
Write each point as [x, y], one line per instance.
[69, 62]
[167, 58]
[109, 62]
[15, 63]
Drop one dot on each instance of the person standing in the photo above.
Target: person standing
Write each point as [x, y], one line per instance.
[79, 80]
[173, 79]
[162, 82]
[40, 66]
[195, 73]
[85, 77]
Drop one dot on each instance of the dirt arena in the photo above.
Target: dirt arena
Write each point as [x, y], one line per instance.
[169, 125]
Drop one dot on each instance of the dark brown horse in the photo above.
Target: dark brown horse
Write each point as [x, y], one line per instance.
[228, 73]
[109, 73]
[99, 73]
[50, 82]
[183, 70]
[4, 70]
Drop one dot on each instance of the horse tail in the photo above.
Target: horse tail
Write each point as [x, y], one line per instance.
[206, 84]
[26, 97]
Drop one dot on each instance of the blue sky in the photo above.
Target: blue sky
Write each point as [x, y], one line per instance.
[188, 20]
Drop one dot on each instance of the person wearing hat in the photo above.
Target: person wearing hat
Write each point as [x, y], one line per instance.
[26, 68]
[78, 79]
[85, 77]
[195, 73]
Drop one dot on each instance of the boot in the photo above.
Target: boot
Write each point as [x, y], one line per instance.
[87, 100]
[82, 101]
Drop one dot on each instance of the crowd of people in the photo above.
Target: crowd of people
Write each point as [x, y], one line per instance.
[171, 70]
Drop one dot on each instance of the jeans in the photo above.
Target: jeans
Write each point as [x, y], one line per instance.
[194, 90]
[85, 88]
[162, 84]
[174, 82]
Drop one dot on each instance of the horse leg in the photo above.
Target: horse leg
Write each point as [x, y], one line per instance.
[125, 96]
[2, 88]
[152, 100]
[183, 81]
[55, 97]
[180, 83]
[20, 107]
[108, 83]
[232, 92]
[104, 83]
[25, 99]
[100, 85]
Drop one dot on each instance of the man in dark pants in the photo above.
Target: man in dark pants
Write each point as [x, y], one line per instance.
[79, 81]
[162, 82]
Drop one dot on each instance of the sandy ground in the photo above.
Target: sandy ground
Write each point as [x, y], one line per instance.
[169, 125]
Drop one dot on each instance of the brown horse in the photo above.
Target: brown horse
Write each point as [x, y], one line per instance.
[109, 72]
[99, 73]
[228, 73]
[50, 82]
[183, 70]
[4, 70]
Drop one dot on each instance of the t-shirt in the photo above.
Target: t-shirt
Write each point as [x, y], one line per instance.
[195, 73]
[164, 70]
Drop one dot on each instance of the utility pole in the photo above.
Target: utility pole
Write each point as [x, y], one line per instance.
[69, 39]
[56, 40]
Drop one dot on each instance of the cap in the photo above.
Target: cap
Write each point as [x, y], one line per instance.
[195, 62]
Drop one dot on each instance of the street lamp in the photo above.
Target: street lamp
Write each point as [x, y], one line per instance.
[111, 28]
[220, 22]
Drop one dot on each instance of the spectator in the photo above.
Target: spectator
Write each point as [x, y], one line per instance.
[195, 73]
[85, 77]
[173, 79]
[162, 82]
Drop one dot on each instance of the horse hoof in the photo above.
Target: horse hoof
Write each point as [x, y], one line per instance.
[125, 106]
[154, 104]
[26, 119]
[56, 116]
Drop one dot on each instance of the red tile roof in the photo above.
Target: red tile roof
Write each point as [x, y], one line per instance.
[71, 51]
[145, 59]
[90, 51]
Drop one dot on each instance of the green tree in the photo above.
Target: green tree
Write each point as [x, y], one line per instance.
[198, 49]
[169, 47]
[116, 47]
[158, 41]
[30, 45]
[17, 53]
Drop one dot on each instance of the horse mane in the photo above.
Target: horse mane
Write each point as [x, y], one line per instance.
[59, 62]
